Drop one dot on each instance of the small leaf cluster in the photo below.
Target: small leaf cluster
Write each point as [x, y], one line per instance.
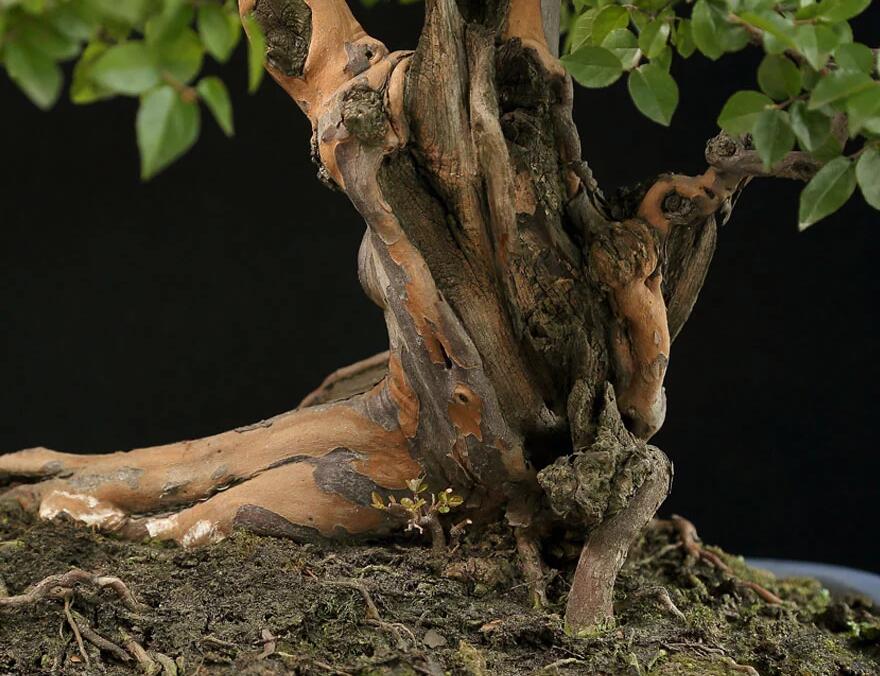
[418, 508]
[153, 50]
[817, 89]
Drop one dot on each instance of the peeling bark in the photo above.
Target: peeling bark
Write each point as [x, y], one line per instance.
[530, 320]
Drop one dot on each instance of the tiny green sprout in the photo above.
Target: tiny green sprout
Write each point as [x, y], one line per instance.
[420, 514]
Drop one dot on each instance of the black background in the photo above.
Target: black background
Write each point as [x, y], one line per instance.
[222, 291]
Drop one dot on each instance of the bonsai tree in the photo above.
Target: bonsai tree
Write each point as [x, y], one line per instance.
[530, 315]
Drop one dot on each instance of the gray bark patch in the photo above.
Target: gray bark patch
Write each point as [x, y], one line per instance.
[287, 25]
[363, 113]
[263, 522]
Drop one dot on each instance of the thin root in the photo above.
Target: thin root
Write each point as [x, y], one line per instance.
[63, 587]
[373, 616]
[687, 532]
[148, 664]
[532, 566]
[96, 639]
[76, 633]
[58, 587]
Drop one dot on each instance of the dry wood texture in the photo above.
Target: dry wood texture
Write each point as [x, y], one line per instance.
[530, 321]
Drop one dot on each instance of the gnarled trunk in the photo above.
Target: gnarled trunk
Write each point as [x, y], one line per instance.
[529, 320]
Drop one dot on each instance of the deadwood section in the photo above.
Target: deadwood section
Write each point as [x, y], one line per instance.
[530, 319]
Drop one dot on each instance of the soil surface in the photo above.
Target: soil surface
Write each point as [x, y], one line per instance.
[252, 605]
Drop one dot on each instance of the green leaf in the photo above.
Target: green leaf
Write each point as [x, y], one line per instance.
[838, 85]
[256, 52]
[181, 56]
[128, 68]
[624, 45]
[816, 43]
[176, 15]
[46, 39]
[82, 88]
[609, 18]
[828, 190]
[684, 39]
[216, 97]
[654, 92]
[652, 40]
[863, 111]
[713, 33]
[582, 29]
[739, 114]
[778, 77]
[593, 66]
[218, 34]
[166, 128]
[841, 10]
[664, 59]
[772, 136]
[76, 19]
[34, 72]
[812, 128]
[780, 29]
[705, 29]
[868, 176]
[854, 56]
[131, 12]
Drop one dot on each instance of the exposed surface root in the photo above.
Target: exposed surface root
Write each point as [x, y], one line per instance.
[533, 567]
[62, 585]
[212, 607]
[695, 551]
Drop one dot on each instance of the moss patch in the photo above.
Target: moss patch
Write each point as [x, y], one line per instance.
[210, 607]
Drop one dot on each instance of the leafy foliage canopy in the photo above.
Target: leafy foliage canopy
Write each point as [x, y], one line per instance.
[817, 89]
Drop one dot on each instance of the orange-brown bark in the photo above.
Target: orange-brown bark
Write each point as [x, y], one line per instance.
[515, 305]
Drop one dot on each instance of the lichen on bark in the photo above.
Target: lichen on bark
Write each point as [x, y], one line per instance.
[595, 483]
[287, 25]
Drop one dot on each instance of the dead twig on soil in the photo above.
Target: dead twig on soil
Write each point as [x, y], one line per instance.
[270, 643]
[373, 615]
[553, 667]
[742, 668]
[687, 532]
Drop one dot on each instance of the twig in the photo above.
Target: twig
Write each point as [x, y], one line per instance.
[742, 668]
[729, 156]
[269, 644]
[327, 667]
[687, 532]
[564, 662]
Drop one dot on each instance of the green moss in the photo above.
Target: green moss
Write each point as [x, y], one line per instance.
[211, 605]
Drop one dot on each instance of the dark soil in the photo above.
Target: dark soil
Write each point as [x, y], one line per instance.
[213, 610]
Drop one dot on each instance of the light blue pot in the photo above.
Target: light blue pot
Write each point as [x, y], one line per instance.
[837, 579]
